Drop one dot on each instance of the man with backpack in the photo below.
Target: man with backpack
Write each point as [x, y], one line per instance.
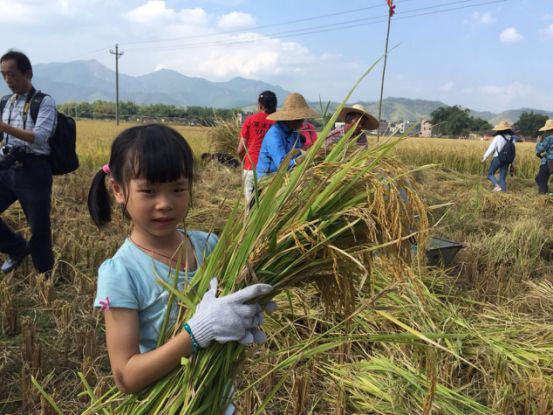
[25, 169]
[502, 149]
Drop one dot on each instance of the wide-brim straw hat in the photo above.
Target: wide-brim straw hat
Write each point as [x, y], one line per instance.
[502, 126]
[548, 126]
[294, 108]
[367, 123]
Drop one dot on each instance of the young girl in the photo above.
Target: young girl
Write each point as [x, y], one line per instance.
[150, 173]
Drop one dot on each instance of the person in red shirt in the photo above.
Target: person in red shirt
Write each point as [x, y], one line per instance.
[251, 136]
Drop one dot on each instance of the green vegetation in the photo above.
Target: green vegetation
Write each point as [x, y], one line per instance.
[529, 124]
[455, 121]
[192, 115]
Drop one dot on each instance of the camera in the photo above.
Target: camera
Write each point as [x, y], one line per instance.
[9, 155]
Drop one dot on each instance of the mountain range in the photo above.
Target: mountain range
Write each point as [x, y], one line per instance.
[89, 80]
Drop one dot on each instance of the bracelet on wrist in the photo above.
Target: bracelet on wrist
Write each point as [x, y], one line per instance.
[195, 345]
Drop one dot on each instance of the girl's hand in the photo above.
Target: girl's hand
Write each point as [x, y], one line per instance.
[229, 318]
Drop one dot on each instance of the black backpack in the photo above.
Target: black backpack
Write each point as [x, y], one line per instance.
[508, 152]
[63, 154]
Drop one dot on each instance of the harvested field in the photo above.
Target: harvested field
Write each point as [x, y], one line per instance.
[471, 339]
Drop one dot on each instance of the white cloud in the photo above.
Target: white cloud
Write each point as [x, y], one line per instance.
[448, 86]
[18, 12]
[150, 12]
[510, 95]
[238, 56]
[548, 32]
[236, 20]
[547, 17]
[193, 42]
[510, 35]
[483, 18]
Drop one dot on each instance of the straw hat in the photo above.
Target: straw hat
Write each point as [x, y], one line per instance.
[502, 126]
[368, 122]
[294, 108]
[548, 126]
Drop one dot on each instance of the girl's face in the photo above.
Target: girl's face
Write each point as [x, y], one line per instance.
[156, 209]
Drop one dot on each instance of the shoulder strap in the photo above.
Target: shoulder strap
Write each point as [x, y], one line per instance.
[35, 104]
[3, 103]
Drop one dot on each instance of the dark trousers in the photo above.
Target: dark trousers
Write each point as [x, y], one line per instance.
[30, 183]
[543, 178]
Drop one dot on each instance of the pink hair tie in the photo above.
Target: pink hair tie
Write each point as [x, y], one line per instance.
[105, 169]
[105, 304]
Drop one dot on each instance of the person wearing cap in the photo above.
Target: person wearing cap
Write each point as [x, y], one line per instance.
[544, 150]
[354, 116]
[283, 137]
[504, 134]
[251, 136]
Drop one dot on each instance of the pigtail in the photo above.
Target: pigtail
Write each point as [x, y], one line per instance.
[99, 202]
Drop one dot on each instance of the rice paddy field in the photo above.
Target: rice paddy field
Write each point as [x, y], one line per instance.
[473, 338]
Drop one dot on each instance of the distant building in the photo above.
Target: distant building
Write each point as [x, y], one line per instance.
[488, 135]
[426, 129]
[401, 127]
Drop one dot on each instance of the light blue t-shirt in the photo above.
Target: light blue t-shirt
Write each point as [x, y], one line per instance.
[129, 281]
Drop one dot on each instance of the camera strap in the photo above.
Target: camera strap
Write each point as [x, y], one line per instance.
[27, 105]
[26, 108]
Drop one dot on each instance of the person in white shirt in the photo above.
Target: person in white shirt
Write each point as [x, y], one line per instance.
[504, 136]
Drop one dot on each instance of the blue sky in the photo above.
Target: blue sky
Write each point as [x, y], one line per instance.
[482, 54]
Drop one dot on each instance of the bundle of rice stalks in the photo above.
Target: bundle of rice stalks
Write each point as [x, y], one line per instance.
[323, 223]
[223, 137]
[516, 352]
[381, 385]
[414, 350]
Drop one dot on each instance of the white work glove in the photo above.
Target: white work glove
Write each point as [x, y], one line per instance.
[228, 318]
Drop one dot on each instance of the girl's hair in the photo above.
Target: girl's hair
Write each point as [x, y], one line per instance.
[154, 152]
[268, 101]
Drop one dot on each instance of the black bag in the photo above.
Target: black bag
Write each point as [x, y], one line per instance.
[63, 155]
[508, 152]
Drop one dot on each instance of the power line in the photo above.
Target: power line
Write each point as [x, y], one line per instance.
[349, 24]
[285, 23]
[419, 12]
[203, 36]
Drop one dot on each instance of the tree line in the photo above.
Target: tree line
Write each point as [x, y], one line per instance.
[451, 121]
[128, 110]
[455, 121]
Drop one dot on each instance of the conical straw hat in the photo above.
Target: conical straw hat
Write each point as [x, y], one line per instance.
[368, 122]
[294, 108]
[502, 126]
[548, 126]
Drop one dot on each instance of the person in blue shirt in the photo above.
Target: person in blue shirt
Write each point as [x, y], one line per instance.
[150, 174]
[544, 150]
[283, 137]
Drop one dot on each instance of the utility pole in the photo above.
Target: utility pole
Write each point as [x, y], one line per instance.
[391, 12]
[117, 55]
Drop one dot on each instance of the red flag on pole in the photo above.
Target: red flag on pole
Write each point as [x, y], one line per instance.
[392, 7]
